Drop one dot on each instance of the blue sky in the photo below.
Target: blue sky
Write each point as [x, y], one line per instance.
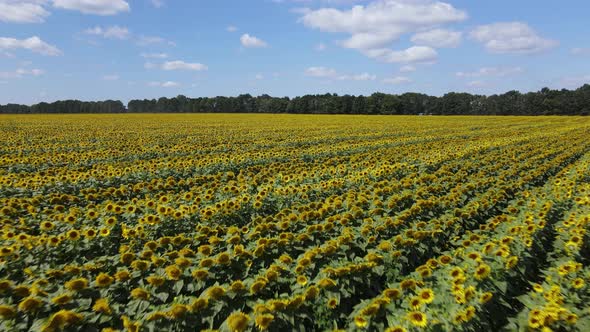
[127, 49]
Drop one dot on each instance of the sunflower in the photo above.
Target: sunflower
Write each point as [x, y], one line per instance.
[102, 306]
[62, 299]
[104, 232]
[104, 280]
[140, 293]
[332, 303]
[77, 284]
[408, 284]
[578, 283]
[173, 272]
[30, 304]
[154, 316]
[200, 274]
[47, 225]
[571, 319]
[7, 311]
[155, 280]
[415, 303]
[302, 280]
[178, 311]
[122, 275]
[511, 262]
[312, 292]
[396, 329]
[485, 297]
[237, 286]
[215, 292]
[199, 304]
[417, 318]
[392, 293]
[360, 322]
[263, 321]
[73, 235]
[482, 272]
[238, 321]
[426, 295]
[257, 286]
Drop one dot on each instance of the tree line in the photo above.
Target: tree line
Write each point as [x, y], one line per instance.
[543, 102]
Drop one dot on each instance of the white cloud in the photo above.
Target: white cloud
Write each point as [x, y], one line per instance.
[113, 77]
[414, 54]
[112, 32]
[407, 69]
[476, 84]
[372, 28]
[580, 51]
[150, 40]
[33, 44]
[397, 80]
[438, 38]
[181, 65]
[167, 84]
[22, 11]
[158, 3]
[332, 74]
[511, 38]
[491, 71]
[98, 7]
[321, 72]
[154, 55]
[358, 77]
[20, 72]
[251, 41]
[259, 77]
[231, 28]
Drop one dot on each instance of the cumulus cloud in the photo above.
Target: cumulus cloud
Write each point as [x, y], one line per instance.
[332, 74]
[372, 28]
[181, 65]
[112, 32]
[151, 40]
[33, 44]
[154, 55]
[438, 38]
[511, 38]
[251, 41]
[167, 84]
[414, 54]
[397, 80]
[407, 69]
[231, 28]
[491, 71]
[22, 11]
[97, 7]
[19, 73]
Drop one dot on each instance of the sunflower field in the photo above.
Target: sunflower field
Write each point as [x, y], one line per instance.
[294, 223]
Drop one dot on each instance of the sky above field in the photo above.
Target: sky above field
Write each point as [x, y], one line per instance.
[128, 49]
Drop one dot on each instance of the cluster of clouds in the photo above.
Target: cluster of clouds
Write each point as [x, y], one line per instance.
[371, 28]
[36, 11]
[331, 74]
[374, 27]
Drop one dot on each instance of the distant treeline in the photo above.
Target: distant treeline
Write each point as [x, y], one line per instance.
[543, 102]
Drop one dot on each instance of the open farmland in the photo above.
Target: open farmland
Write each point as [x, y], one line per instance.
[281, 222]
